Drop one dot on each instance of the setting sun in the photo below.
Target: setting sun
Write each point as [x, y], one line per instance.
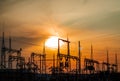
[52, 42]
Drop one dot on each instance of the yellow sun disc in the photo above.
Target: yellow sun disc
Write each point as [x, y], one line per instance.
[52, 42]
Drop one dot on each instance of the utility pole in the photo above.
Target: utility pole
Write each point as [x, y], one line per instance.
[58, 58]
[3, 52]
[91, 52]
[116, 62]
[67, 59]
[44, 57]
[107, 60]
[68, 53]
[79, 54]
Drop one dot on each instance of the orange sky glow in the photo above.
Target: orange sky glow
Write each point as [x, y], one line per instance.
[32, 23]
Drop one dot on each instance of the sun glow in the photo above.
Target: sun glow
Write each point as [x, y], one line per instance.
[52, 42]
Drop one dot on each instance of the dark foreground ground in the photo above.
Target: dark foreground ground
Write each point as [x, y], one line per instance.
[23, 75]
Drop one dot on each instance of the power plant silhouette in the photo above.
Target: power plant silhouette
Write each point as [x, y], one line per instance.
[14, 67]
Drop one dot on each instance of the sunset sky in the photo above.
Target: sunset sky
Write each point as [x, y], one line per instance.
[31, 22]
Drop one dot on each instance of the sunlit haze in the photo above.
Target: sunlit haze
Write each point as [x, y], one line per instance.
[52, 42]
[30, 23]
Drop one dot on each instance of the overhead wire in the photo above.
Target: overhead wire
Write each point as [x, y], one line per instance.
[98, 37]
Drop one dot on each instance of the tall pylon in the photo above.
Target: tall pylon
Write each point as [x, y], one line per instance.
[107, 56]
[44, 58]
[108, 68]
[116, 62]
[68, 53]
[79, 54]
[2, 63]
[91, 52]
[68, 45]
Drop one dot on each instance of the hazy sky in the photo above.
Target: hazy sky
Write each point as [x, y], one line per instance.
[91, 21]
